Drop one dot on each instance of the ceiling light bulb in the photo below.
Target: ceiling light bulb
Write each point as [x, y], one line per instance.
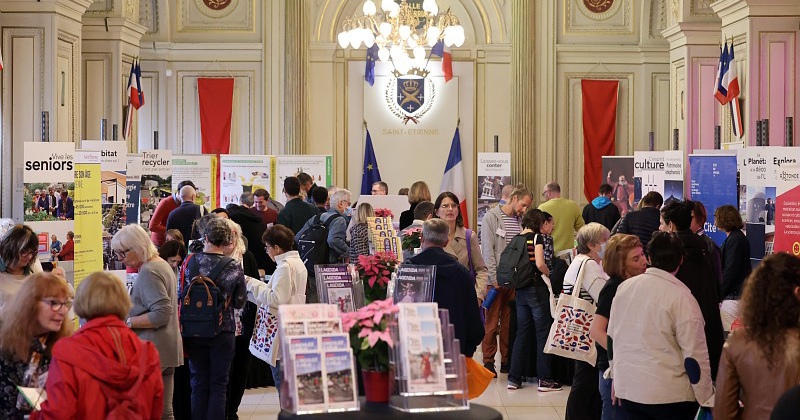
[433, 35]
[369, 8]
[405, 31]
[395, 52]
[385, 29]
[344, 39]
[430, 6]
[387, 5]
[449, 36]
[412, 43]
[368, 37]
[460, 37]
[383, 55]
[355, 38]
[419, 53]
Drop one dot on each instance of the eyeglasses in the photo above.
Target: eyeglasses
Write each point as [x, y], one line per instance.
[544, 193]
[449, 206]
[56, 305]
[122, 254]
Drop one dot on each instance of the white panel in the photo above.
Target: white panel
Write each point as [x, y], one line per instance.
[23, 113]
[146, 125]
[95, 98]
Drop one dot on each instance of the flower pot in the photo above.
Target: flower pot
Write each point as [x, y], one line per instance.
[376, 386]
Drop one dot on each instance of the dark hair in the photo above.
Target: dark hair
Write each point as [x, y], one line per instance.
[679, 213]
[172, 248]
[728, 218]
[403, 191]
[665, 250]
[199, 228]
[246, 199]
[769, 304]
[320, 195]
[19, 239]
[218, 232]
[699, 213]
[177, 234]
[534, 219]
[304, 178]
[438, 203]
[652, 199]
[604, 189]
[384, 186]
[185, 183]
[280, 236]
[291, 185]
[261, 193]
[219, 210]
[423, 210]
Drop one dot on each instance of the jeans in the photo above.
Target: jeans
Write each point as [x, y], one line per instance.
[674, 411]
[182, 391]
[210, 363]
[277, 376]
[237, 381]
[168, 377]
[610, 411]
[533, 314]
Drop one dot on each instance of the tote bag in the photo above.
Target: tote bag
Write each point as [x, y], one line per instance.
[265, 343]
[569, 334]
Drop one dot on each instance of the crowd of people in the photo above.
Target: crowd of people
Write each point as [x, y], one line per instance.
[680, 323]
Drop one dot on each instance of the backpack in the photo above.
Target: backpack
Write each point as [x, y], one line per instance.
[312, 244]
[127, 405]
[202, 303]
[514, 270]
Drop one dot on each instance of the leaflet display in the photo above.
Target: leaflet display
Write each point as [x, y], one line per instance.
[339, 284]
[412, 283]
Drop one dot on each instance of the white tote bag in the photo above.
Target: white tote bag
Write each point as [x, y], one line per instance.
[569, 334]
[265, 342]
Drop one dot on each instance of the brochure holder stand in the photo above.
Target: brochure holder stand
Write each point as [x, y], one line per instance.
[340, 285]
[412, 283]
[454, 397]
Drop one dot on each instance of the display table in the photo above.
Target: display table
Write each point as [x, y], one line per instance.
[384, 412]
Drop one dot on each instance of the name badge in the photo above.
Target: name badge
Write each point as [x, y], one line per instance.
[501, 232]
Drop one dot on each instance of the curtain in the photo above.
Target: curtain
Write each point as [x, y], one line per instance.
[599, 130]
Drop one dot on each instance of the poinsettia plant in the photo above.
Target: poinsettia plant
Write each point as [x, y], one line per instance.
[375, 272]
[411, 238]
[370, 337]
[384, 213]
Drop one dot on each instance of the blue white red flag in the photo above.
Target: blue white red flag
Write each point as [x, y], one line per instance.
[453, 179]
[443, 51]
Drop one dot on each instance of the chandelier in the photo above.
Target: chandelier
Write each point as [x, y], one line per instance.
[400, 31]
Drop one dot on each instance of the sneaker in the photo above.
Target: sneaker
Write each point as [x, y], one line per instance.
[513, 385]
[490, 368]
[504, 367]
[547, 386]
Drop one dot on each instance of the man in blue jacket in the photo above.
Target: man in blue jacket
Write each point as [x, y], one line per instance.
[453, 289]
[601, 209]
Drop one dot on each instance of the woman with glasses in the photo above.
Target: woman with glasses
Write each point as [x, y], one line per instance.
[154, 314]
[30, 324]
[463, 243]
[104, 365]
[18, 251]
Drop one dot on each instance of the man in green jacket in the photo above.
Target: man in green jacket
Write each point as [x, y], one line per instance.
[566, 216]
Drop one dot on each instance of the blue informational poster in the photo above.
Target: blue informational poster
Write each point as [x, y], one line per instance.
[713, 182]
[133, 188]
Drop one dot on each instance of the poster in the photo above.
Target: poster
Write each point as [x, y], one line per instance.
[319, 167]
[649, 173]
[494, 173]
[786, 210]
[200, 170]
[673, 176]
[88, 211]
[618, 173]
[133, 186]
[243, 173]
[49, 193]
[713, 182]
[156, 182]
[113, 193]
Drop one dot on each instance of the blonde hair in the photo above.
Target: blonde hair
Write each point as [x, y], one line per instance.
[419, 192]
[102, 294]
[20, 315]
[132, 238]
[364, 210]
[238, 251]
[592, 233]
[520, 191]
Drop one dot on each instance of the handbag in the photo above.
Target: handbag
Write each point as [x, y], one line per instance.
[569, 334]
[478, 378]
[265, 343]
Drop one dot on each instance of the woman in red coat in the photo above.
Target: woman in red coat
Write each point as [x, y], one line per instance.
[104, 370]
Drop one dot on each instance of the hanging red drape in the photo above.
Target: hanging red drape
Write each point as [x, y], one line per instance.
[599, 130]
[216, 108]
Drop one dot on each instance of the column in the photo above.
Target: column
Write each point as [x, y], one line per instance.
[296, 70]
[523, 96]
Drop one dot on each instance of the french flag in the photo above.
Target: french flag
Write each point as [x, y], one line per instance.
[135, 97]
[721, 88]
[453, 179]
[443, 51]
[731, 81]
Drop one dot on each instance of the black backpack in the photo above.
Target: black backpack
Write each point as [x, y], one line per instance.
[312, 244]
[202, 303]
[514, 270]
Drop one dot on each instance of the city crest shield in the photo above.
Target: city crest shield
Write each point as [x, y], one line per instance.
[410, 93]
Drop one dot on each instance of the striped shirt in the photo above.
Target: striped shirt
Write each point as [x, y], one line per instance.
[594, 278]
[544, 240]
[511, 227]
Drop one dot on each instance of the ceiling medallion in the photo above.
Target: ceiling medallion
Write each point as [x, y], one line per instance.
[599, 9]
[216, 8]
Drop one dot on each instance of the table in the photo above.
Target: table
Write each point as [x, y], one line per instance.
[370, 411]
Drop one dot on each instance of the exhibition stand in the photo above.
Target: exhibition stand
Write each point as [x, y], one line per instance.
[378, 411]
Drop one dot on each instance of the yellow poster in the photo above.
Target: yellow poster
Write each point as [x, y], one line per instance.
[88, 215]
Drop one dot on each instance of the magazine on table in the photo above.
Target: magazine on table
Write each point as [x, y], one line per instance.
[308, 381]
[421, 348]
[336, 284]
[414, 283]
[340, 380]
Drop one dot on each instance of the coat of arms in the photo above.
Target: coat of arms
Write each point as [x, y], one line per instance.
[409, 98]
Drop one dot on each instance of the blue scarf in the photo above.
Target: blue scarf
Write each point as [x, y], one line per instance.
[601, 202]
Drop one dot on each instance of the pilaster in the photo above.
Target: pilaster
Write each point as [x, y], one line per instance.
[524, 133]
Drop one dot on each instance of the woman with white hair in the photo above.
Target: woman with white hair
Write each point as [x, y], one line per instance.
[584, 398]
[154, 315]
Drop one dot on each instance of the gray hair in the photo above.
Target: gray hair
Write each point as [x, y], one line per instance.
[236, 230]
[553, 186]
[246, 199]
[338, 197]
[592, 233]
[436, 231]
[132, 238]
[218, 233]
[187, 192]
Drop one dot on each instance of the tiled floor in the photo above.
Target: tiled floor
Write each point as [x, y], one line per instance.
[522, 404]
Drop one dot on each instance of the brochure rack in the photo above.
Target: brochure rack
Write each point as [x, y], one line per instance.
[318, 366]
[453, 396]
[412, 283]
[340, 285]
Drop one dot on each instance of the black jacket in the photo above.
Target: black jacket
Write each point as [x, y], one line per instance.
[641, 223]
[253, 228]
[453, 290]
[607, 216]
[183, 217]
[407, 217]
[735, 264]
[697, 273]
[295, 214]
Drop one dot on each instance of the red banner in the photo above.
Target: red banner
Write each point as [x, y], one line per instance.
[216, 108]
[599, 130]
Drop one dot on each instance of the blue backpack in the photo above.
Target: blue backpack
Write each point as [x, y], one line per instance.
[202, 303]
